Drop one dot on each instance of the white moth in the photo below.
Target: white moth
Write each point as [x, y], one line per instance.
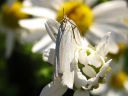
[68, 38]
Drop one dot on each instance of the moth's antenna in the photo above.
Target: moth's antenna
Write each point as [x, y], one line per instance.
[64, 14]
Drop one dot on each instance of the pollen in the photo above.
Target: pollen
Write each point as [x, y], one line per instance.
[80, 13]
[12, 14]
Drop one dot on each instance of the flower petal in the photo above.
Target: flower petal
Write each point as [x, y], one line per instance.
[94, 60]
[100, 90]
[27, 3]
[103, 69]
[89, 71]
[81, 93]
[118, 30]
[113, 47]
[113, 92]
[113, 22]
[126, 85]
[49, 56]
[39, 12]
[53, 89]
[80, 80]
[90, 2]
[9, 44]
[33, 24]
[43, 44]
[51, 4]
[110, 9]
[31, 36]
[97, 32]
[102, 47]
[34, 30]
[52, 28]
[83, 57]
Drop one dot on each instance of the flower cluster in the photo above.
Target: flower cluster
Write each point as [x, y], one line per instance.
[93, 22]
[78, 65]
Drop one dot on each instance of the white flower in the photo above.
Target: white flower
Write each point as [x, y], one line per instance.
[10, 14]
[76, 66]
[106, 17]
[117, 83]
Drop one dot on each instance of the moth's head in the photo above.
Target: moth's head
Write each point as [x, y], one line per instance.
[68, 23]
[80, 13]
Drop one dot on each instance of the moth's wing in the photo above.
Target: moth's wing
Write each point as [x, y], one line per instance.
[66, 43]
[52, 27]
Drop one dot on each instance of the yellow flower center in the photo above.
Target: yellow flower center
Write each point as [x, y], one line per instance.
[80, 13]
[118, 79]
[11, 15]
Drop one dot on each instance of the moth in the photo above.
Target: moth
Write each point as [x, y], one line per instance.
[67, 39]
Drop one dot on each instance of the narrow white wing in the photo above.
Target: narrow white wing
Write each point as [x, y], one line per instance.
[67, 39]
[52, 28]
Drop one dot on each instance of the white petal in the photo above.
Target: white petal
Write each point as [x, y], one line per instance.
[103, 45]
[112, 92]
[81, 93]
[41, 3]
[103, 68]
[80, 80]
[89, 71]
[100, 90]
[126, 85]
[53, 89]
[52, 4]
[33, 24]
[27, 3]
[49, 56]
[68, 79]
[40, 12]
[52, 28]
[118, 27]
[113, 47]
[9, 43]
[99, 30]
[83, 57]
[110, 8]
[94, 60]
[90, 2]
[43, 44]
[85, 43]
[35, 29]
[31, 36]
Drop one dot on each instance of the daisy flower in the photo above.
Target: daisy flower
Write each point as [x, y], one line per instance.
[93, 23]
[78, 65]
[9, 23]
